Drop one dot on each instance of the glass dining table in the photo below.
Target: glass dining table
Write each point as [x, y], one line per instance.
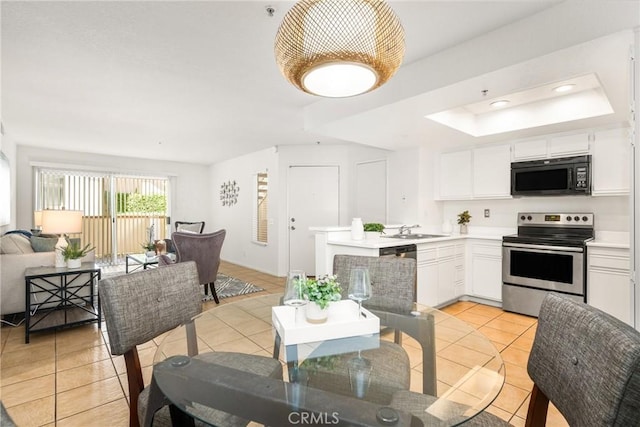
[436, 370]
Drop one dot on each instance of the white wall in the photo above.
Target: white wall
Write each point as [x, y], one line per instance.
[191, 194]
[610, 213]
[237, 219]
[8, 147]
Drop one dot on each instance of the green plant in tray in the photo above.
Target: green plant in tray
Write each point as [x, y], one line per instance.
[322, 291]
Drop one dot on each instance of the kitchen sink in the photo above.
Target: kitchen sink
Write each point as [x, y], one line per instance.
[414, 236]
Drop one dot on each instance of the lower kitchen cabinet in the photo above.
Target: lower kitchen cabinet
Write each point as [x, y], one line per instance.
[485, 272]
[440, 272]
[609, 285]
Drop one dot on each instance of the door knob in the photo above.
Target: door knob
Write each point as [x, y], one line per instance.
[292, 227]
[293, 220]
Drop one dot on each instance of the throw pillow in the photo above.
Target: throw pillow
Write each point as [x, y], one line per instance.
[189, 228]
[43, 244]
[15, 244]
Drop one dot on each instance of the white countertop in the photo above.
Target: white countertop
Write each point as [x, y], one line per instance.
[387, 242]
[611, 239]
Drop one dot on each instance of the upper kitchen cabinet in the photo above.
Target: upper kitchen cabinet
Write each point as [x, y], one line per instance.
[482, 173]
[569, 145]
[557, 146]
[492, 172]
[611, 163]
[455, 175]
[530, 150]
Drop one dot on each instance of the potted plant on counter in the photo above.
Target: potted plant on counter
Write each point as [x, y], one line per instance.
[373, 229]
[463, 219]
[73, 253]
[320, 293]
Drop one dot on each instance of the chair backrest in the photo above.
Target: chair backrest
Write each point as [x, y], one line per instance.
[140, 306]
[587, 363]
[192, 227]
[204, 249]
[393, 280]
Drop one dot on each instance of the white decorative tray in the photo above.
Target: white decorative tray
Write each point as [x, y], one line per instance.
[343, 321]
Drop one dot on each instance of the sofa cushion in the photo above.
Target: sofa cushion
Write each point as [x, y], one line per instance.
[15, 244]
[43, 244]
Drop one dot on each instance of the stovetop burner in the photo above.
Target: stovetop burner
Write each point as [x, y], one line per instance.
[555, 229]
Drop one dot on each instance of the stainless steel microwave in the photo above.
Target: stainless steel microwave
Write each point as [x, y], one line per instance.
[552, 177]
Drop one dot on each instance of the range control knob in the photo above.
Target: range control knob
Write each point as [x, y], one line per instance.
[569, 218]
[577, 218]
[522, 217]
[529, 218]
[584, 218]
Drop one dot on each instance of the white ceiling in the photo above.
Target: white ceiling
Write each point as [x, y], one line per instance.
[197, 81]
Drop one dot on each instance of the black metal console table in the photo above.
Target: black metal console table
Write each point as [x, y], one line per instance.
[61, 297]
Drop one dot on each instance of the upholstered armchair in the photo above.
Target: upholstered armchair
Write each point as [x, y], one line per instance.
[205, 250]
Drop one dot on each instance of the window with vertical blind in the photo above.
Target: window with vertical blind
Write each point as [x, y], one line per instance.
[120, 211]
[259, 226]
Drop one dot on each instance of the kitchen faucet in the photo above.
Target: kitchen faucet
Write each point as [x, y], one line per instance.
[407, 228]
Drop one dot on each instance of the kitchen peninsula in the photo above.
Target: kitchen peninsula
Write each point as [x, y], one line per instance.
[448, 267]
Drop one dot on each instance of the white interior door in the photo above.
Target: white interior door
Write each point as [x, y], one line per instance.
[313, 200]
[371, 191]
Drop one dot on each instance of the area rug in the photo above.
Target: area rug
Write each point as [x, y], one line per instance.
[226, 286]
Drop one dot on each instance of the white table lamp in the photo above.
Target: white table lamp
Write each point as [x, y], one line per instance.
[61, 222]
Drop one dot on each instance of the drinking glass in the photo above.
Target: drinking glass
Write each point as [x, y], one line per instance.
[294, 290]
[359, 375]
[359, 286]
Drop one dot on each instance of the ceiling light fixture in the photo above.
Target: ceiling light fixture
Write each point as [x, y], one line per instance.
[500, 103]
[339, 48]
[564, 88]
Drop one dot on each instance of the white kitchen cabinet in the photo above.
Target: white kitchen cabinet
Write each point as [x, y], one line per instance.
[492, 172]
[611, 163]
[455, 175]
[568, 145]
[609, 285]
[530, 150]
[440, 272]
[486, 269]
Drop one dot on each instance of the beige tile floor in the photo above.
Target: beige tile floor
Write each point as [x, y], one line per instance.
[69, 378]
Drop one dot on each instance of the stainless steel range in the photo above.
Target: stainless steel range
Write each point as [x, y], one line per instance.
[547, 254]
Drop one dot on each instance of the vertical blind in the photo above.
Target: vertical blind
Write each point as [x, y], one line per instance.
[120, 211]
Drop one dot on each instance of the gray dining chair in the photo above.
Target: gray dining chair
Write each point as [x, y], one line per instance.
[140, 306]
[393, 290]
[5, 418]
[584, 361]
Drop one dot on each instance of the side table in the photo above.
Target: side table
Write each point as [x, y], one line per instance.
[61, 297]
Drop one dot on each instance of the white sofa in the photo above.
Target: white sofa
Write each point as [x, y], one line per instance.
[13, 266]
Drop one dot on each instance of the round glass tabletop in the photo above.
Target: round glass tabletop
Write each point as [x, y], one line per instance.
[438, 369]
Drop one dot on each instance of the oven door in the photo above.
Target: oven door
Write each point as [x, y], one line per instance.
[554, 268]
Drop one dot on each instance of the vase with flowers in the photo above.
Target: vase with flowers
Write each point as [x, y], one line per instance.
[320, 293]
[463, 219]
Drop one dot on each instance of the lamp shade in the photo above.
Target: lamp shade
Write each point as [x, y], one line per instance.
[61, 221]
[339, 48]
[37, 219]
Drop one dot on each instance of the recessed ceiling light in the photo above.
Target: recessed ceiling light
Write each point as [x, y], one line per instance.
[564, 88]
[498, 104]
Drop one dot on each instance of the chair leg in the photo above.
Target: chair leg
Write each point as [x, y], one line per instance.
[206, 290]
[538, 406]
[214, 293]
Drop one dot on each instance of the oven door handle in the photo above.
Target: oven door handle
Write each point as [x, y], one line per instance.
[543, 247]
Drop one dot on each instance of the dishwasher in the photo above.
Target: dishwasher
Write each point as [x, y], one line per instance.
[404, 251]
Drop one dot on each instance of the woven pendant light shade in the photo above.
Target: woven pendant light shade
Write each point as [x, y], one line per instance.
[339, 48]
